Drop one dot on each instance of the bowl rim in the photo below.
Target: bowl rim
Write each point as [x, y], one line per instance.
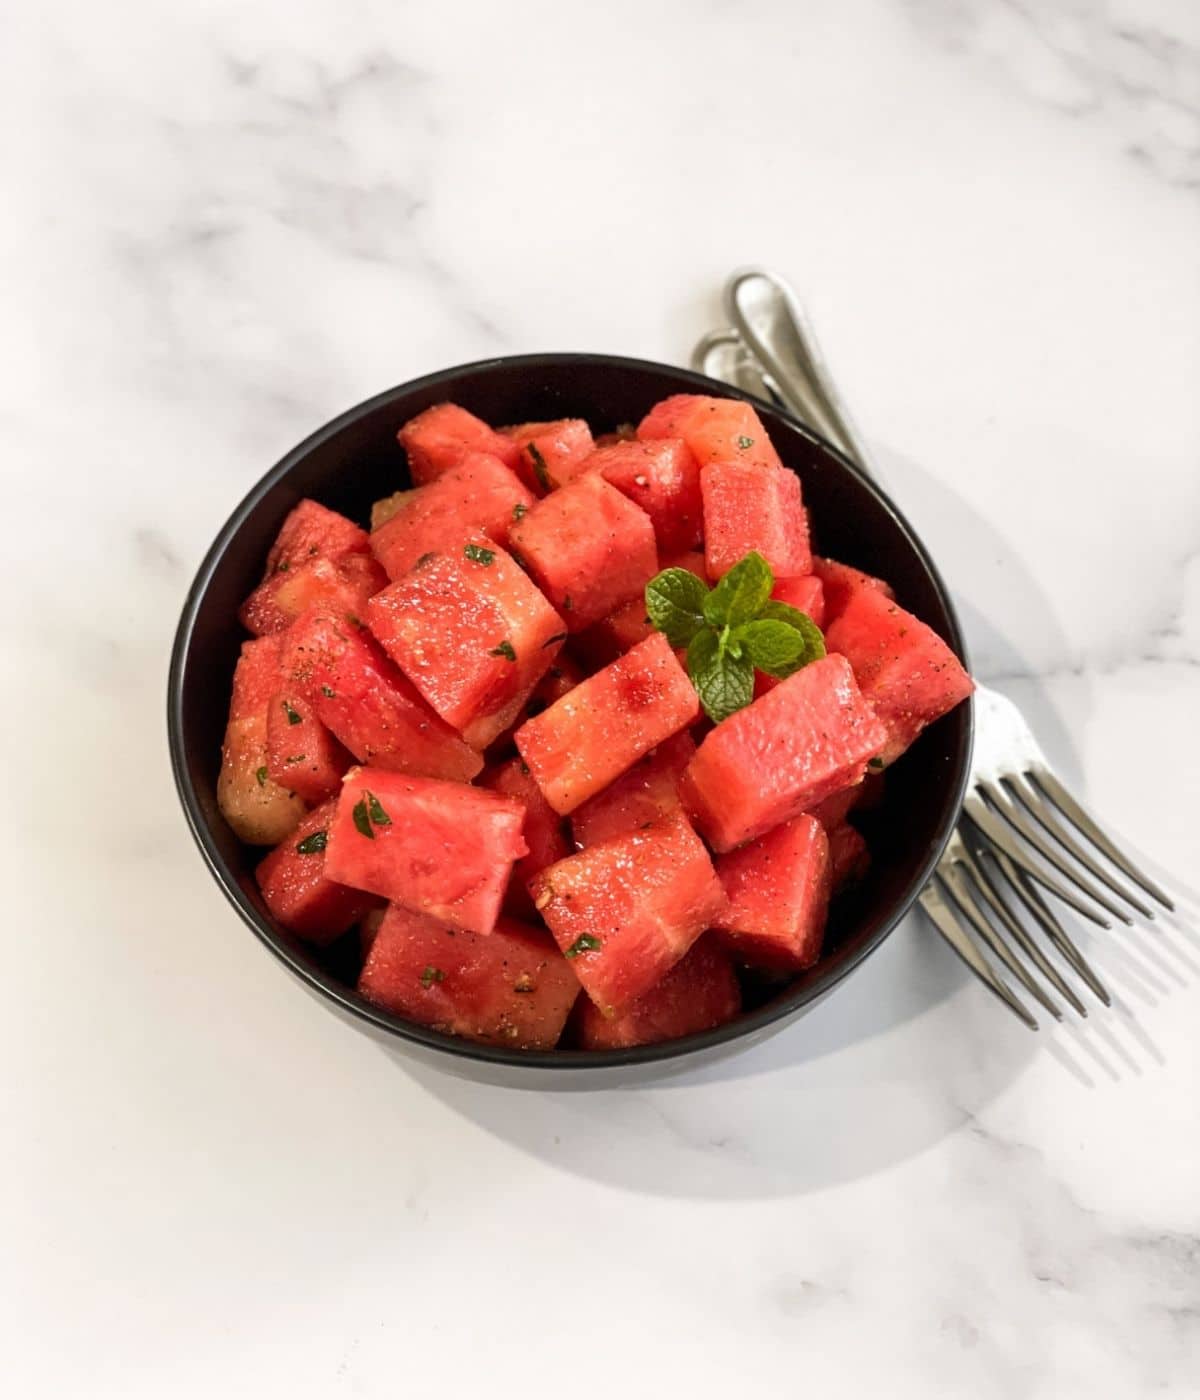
[747, 1027]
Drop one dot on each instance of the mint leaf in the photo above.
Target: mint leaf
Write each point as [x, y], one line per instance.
[362, 822]
[585, 943]
[311, 845]
[375, 809]
[723, 681]
[741, 594]
[480, 555]
[432, 975]
[675, 604]
[504, 649]
[540, 470]
[780, 647]
[814, 638]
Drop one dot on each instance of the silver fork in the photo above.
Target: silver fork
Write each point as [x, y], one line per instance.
[1021, 832]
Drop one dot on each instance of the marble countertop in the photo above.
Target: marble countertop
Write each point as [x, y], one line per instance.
[227, 222]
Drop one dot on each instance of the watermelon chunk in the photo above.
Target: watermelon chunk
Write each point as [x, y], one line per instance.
[550, 454]
[663, 478]
[781, 755]
[835, 808]
[542, 830]
[645, 793]
[909, 675]
[312, 531]
[302, 755]
[480, 495]
[753, 507]
[360, 696]
[298, 893]
[778, 889]
[806, 593]
[472, 633]
[698, 993]
[602, 727]
[588, 548]
[444, 849]
[627, 910]
[716, 430]
[840, 581]
[259, 811]
[511, 987]
[440, 439]
[849, 859]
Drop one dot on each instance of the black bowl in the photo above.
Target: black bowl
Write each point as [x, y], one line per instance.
[353, 461]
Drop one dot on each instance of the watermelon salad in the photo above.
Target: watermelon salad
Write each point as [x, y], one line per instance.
[568, 748]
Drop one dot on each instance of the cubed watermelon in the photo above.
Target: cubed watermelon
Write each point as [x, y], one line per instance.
[781, 755]
[645, 793]
[440, 439]
[589, 549]
[834, 809]
[625, 911]
[298, 893]
[510, 987]
[258, 810]
[777, 888]
[302, 755]
[805, 593]
[442, 848]
[909, 675]
[750, 507]
[313, 531]
[542, 829]
[479, 495]
[849, 859]
[602, 727]
[319, 557]
[471, 632]
[550, 454]
[716, 430]
[698, 993]
[663, 478]
[360, 696]
[840, 581]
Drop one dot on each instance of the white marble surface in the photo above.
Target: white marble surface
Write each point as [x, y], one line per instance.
[224, 222]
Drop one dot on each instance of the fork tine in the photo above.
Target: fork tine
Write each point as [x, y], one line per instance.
[1027, 945]
[1008, 809]
[1026, 891]
[1038, 808]
[964, 902]
[1054, 792]
[934, 904]
[997, 833]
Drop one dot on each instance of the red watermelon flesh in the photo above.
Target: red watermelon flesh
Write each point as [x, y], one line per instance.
[542, 830]
[343, 586]
[664, 479]
[510, 987]
[602, 727]
[698, 993]
[472, 633]
[908, 674]
[295, 888]
[258, 810]
[805, 593]
[835, 808]
[716, 430]
[302, 755]
[360, 696]
[777, 888]
[781, 755]
[444, 849]
[480, 495]
[753, 507]
[314, 531]
[627, 910]
[550, 454]
[588, 548]
[442, 437]
[840, 582]
[646, 793]
[849, 859]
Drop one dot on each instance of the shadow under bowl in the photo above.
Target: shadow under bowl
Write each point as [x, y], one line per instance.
[353, 461]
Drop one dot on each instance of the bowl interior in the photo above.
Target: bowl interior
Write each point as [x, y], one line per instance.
[354, 460]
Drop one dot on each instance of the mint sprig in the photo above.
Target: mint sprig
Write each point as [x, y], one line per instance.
[731, 631]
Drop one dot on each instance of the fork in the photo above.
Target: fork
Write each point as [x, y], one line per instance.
[1020, 833]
